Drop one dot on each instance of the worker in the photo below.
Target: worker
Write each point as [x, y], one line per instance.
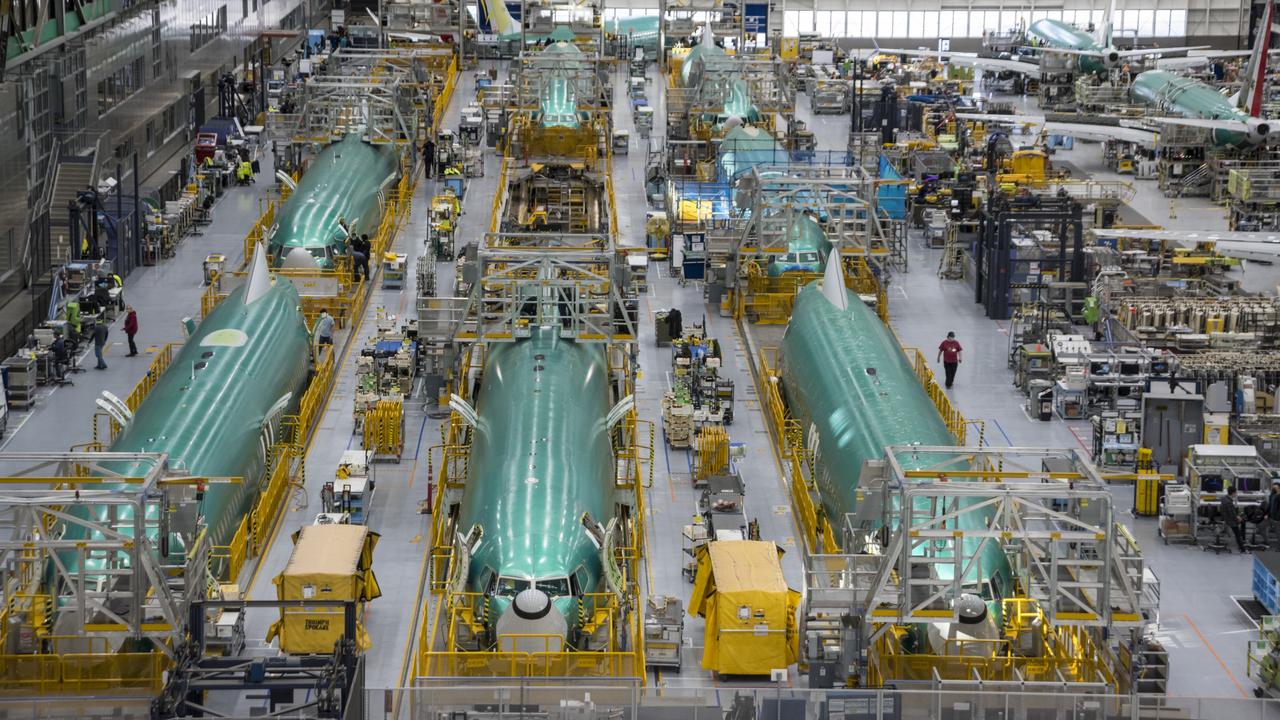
[131, 329]
[244, 171]
[360, 249]
[61, 356]
[429, 158]
[1273, 515]
[949, 355]
[100, 342]
[323, 331]
[102, 291]
[1231, 517]
[452, 171]
[118, 282]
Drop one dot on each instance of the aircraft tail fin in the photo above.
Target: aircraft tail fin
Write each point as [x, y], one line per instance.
[1255, 78]
[1106, 30]
[833, 287]
[500, 20]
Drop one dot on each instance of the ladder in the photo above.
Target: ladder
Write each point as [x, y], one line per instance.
[951, 265]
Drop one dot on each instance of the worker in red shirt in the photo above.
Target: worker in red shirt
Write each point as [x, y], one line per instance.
[949, 354]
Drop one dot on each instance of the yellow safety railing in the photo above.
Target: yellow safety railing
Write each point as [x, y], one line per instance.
[258, 231]
[105, 429]
[768, 300]
[1063, 652]
[496, 210]
[955, 421]
[793, 457]
[446, 94]
[49, 674]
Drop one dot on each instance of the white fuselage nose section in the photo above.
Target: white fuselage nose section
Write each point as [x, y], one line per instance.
[532, 624]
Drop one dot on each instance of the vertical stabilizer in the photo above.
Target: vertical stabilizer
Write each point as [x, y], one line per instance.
[500, 20]
[833, 282]
[708, 37]
[1107, 28]
[259, 276]
[1255, 78]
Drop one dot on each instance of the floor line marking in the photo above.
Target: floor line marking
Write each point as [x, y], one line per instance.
[1076, 435]
[417, 452]
[1002, 432]
[1221, 664]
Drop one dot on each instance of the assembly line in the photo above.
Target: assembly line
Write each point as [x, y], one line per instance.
[537, 361]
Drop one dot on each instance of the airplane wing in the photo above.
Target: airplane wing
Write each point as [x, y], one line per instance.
[1204, 123]
[1190, 61]
[967, 59]
[1161, 51]
[1247, 245]
[1102, 133]
[1083, 131]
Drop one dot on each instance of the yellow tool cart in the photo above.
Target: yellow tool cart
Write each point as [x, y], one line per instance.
[750, 611]
[329, 562]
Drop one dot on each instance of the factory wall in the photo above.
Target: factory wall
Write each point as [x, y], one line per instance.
[137, 84]
[1221, 23]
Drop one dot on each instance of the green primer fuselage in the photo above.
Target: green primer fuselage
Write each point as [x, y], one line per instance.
[807, 247]
[343, 181]
[1057, 34]
[541, 457]
[694, 70]
[849, 415]
[1184, 97]
[558, 101]
[207, 410]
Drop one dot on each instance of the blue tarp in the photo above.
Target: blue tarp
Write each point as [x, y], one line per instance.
[891, 199]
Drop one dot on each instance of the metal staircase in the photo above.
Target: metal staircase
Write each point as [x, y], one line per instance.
[74, 175]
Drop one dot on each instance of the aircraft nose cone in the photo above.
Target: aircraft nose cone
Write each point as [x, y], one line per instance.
[1264, 129]
[1113, 57]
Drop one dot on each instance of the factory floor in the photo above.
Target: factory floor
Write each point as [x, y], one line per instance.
[1203, 629]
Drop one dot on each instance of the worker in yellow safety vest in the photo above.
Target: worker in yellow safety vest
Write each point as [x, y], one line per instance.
[244, 172]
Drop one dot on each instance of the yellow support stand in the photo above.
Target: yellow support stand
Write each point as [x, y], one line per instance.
[384, 430]
[1146, 485]
[711, 456]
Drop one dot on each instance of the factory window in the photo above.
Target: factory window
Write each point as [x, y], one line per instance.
[931, 24]
[946, 28]
[791, 23]
[806, 21]
[822, 23]
[959, 23]
[915, 24]
[1162, 23]
[854, 24]
[1146, 23]
[869, 23]
[1178, 23]
[838, 24]
[900, 28]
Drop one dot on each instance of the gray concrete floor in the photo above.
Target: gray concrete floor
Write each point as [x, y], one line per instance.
[1205, 633]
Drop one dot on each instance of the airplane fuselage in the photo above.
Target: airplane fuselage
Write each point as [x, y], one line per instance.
[1187, 98]
[1057, 34]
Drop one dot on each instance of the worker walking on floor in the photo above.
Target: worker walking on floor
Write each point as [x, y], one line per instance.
[949, 355]
[324, 329]
[100, 343]
[1231, 517]
[131, 329]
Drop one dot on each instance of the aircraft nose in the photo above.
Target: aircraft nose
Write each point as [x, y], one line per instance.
[1113, 58]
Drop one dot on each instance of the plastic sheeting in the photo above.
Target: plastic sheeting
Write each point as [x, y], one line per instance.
[750, 612]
